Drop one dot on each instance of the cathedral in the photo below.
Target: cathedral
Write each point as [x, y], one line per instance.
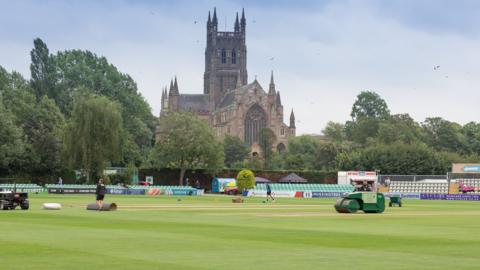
[230, 104]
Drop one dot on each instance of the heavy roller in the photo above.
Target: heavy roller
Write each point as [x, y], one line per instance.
[368, 202]
[105, 207]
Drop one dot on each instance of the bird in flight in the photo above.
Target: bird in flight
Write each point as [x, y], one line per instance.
[436, 67]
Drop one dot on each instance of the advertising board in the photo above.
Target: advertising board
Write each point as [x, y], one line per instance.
[461, 168]
[450, 197]
[118, 191]
[72, 190]
[345, 178]
[326, 194]
[279, 194]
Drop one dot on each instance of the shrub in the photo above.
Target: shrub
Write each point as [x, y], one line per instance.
[245, 180]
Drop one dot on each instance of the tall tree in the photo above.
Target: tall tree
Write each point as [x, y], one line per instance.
[301, 153]
[267, 139]
[83, 69]
[94, 134]
[369, 105]
[17, 96]
[335, 131]
[12, 146]
[43, 129]
[187, 142]
[327, 153]
[443, 135]
[42, 69]
[471, 131]
[368, 111]
[400, 127]
[363, 130]
[235, 150]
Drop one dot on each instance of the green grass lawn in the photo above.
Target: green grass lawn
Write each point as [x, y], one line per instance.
[210, 232]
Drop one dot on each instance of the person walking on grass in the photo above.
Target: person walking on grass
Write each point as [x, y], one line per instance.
[100, 192]
[269, 192]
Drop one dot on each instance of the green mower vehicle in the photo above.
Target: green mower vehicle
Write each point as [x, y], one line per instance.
[395, 200]
[368, 202]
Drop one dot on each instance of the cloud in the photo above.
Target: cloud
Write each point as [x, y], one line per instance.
[325, 52]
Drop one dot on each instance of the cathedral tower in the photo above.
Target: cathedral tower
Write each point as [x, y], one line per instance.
[225, 59]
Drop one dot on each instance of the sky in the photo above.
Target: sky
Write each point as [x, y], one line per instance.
[322, 53]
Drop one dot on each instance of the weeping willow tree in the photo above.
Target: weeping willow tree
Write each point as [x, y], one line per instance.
[267, 139]
[94, 134]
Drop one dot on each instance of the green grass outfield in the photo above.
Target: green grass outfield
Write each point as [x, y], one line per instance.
[210, 232]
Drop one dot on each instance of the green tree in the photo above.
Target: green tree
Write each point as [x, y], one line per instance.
[267, 139]
[18, 97]
[277, 161]
[236, 151]
[186, 142]
[369, 105]
[245, 180]
[4, 80]
[363, 130]
[12, 146]
[335, 131]
[44, 130]
[368, 111]
[399, 127]
[444, 135]
[471, 132]
[83, 69]
[327, 153]
[94, 134]
[301, 153]
[397, 158]
[42, 69]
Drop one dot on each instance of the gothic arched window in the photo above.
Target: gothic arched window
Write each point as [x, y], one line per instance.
[224, 56]
[234, 56]
[255, 120]
[281, 148]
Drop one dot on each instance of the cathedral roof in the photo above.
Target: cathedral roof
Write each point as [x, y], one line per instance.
[193, 102]
[227, 100]
[229, 97]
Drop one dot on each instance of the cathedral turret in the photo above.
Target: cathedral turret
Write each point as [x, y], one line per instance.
[279, 101]
[170, 90]
[271, 89]
[214, 20]
[173, 96]
[162, 103]
[164, 99]
[237, 24]
[175, 87]
[163, 96]
[243, 22]
[209, 21]
[292, 120]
